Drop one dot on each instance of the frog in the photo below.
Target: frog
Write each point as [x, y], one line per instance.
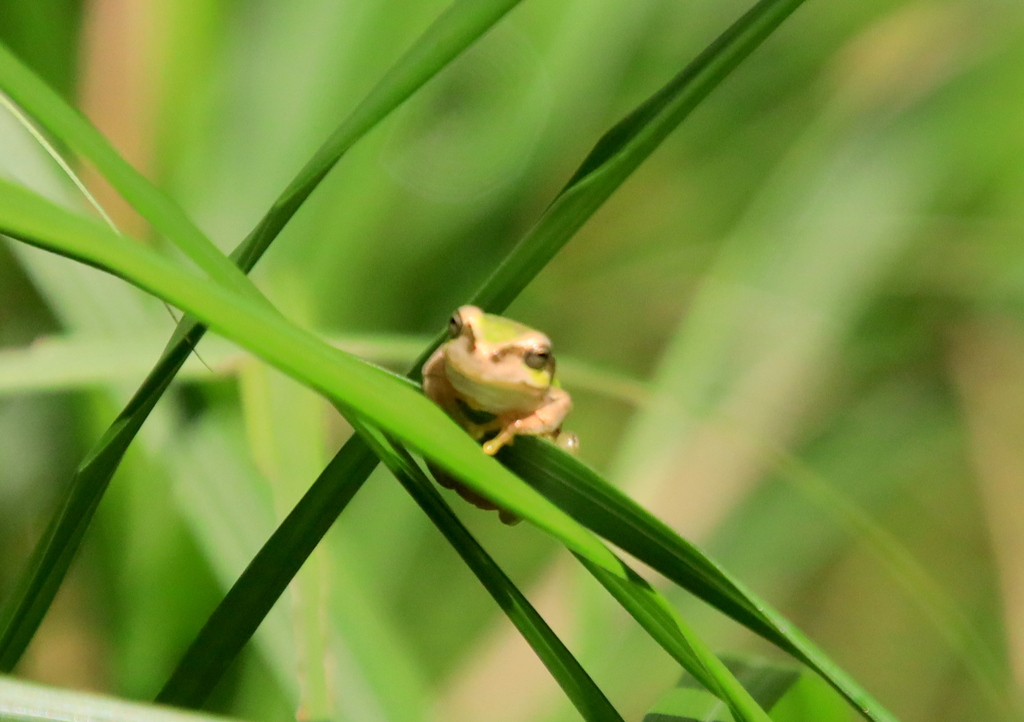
[495, 378]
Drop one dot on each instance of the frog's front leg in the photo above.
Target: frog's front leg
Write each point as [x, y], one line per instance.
[546, 419]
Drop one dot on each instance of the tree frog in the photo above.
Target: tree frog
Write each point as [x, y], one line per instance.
[496, 378]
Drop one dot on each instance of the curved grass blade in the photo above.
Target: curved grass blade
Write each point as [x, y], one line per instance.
[623, 148]
[28, 702]
[567, 671]
[270, 572]
[608, 512]
[643, 602]
[48, 109]
[449, 35]
[62, 362]
[454, 30]
[385, 400]
[304, 527]
[667, 628]
[689, 702]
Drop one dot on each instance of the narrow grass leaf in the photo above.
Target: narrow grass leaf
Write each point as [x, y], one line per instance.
[29, 702]
[454, 30]
[449, 35]
[386, 400]
[628, 144]
[667, 628]
[265, 579]
[601, 507]
[233, 621]
[690, 702]
[48, 109]
[581, 690]
[24, 610]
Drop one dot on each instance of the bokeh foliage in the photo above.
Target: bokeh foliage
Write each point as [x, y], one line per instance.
[809, 294]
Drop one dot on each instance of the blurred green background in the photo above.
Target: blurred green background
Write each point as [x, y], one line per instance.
[795, 335]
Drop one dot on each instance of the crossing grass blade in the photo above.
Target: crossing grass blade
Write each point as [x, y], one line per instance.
[643, 602]
[360, 389]
[653, 612]
[449, 35]
[581, 690]
[609, 513]
[628, 144]
[613, 159]
[690, 702]
[385, 400]
[50, 111]
[453, 31]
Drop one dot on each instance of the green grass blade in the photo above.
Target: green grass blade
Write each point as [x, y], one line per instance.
[251, 598]
[303, 528]
[386, 400]
[454, 30]
[668, 629]
[646, 605]
[48, 109]
[571, 677]
[643, 602]
[611, 514]
[28, 702]
[23, 611]
[625, 147]
[63, 362]
[690, 702]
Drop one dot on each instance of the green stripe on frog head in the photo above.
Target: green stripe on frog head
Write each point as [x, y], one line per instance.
[498, 329]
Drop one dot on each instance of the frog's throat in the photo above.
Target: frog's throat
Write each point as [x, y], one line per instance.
[495, 398]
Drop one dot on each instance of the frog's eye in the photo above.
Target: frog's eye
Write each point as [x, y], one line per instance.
[454, 325]
[537, 359]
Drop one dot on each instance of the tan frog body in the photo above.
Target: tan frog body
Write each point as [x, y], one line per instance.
[496, 378]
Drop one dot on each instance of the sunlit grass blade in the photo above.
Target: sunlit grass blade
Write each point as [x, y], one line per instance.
[61, 362]
[608, 512]
[362, 389]
[385, 400]
[690, 702]
[23, 611]
[653, 612]
[388, 401]
[453, 31]
[48, 109]
[450, 34]
[646, 605]
[270, 572]
[28, 702]
[303, 528]
[573, 679]
[623, 148]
